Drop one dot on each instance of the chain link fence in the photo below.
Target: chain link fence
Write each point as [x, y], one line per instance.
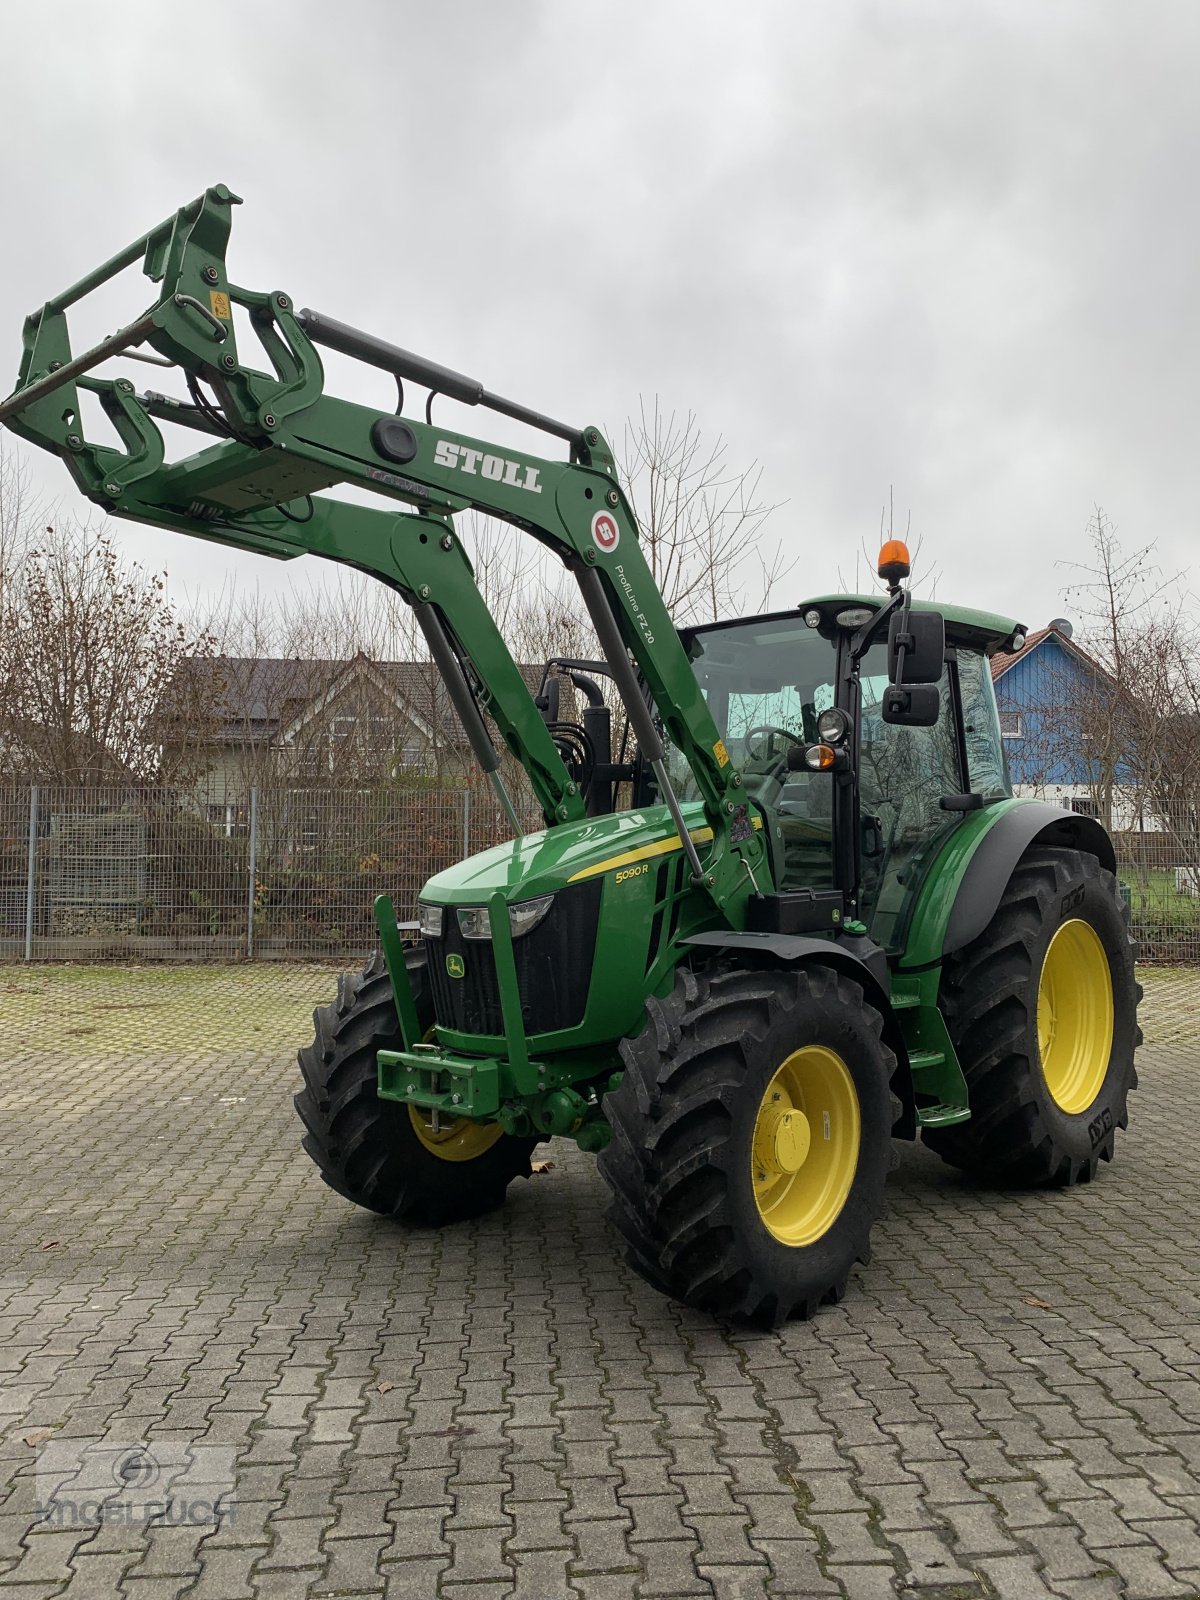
[155, 874]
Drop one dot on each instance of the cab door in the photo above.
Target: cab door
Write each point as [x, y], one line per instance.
[903, 775]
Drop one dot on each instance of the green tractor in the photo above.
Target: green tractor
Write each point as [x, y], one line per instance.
[821, 923]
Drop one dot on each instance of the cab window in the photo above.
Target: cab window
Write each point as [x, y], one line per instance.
[903, 774]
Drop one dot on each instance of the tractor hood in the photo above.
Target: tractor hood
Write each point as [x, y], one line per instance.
[543, 862]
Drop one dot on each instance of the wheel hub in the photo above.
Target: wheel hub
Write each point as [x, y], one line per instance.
[782, 1138]
[458, 1139]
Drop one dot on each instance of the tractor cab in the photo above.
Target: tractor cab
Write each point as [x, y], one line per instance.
[854, 801]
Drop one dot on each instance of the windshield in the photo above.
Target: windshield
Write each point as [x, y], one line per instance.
[766, 682]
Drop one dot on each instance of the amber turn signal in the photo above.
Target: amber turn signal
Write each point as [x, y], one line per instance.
[820, 757]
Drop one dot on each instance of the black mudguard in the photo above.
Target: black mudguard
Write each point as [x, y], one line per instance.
[1001, 847]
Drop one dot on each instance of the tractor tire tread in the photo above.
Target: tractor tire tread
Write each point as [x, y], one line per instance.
[351, 1135]
[985, 996]
[667, 1163]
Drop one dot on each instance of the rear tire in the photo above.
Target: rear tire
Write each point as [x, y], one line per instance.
[1044, 1110]
[752, 1140]
[377, 1153]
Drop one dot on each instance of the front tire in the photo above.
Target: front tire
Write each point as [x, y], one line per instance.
[1042, 1011]
[380, 1154]
[752, 1140]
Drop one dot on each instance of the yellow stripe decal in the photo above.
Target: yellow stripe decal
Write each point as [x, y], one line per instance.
[643, 853]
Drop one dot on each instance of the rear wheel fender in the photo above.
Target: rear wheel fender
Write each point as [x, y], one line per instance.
[966, 883]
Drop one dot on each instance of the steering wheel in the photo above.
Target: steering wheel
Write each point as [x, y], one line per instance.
[771, 731]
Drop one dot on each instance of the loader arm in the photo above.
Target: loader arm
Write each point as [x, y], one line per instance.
[280, 441]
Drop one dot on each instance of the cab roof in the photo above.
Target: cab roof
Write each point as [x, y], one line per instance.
[983, 628]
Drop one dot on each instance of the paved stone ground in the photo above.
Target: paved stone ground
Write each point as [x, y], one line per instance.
[1006, 1404]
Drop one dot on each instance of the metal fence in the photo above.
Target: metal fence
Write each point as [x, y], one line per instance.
[154, 874]
[1160, 876]
[158, 874]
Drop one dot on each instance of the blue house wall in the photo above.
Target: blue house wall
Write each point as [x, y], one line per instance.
[1042, 688]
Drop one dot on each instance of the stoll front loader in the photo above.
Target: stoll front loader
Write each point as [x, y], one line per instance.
[822, 923]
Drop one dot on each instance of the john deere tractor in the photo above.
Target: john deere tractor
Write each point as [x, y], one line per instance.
[797, 915]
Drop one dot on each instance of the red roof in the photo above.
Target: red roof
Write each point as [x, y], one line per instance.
[1003, 659]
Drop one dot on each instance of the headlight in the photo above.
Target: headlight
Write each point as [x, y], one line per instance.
[854, 616]
[833, 726]
[812, 619]
[431, 919]
[526, 914]
[476, 922]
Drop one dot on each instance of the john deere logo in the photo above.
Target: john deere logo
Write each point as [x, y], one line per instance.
[456, 966]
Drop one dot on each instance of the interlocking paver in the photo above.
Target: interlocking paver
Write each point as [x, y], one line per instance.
[502, 1410]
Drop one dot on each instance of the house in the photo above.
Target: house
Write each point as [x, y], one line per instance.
[294, 724]
[69, 756]
[291, 726]
[1060, 737]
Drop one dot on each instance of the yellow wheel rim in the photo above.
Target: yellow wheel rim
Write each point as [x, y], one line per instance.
[456, 1140]
[805, 1149]
[1075, 1016]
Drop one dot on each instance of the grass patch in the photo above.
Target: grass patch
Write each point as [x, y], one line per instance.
[187, 1011]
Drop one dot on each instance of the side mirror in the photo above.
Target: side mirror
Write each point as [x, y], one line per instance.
[923, 633]
[547, 701]
[912, 705]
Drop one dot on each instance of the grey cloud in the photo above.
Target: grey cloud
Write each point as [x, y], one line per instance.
[943, 246]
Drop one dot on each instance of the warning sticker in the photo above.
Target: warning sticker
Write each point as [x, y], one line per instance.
[606, 536]
[219, 303]
[721, 753]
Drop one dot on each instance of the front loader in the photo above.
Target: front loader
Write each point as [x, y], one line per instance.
[822, 922]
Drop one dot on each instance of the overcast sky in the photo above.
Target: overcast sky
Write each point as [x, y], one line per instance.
[947, 246]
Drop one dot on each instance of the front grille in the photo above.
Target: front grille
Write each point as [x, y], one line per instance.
[554, 968]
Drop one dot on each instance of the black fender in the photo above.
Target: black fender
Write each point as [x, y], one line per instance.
[1002, 846]
[860, 958]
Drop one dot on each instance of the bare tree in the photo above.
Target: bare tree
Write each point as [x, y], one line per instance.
[89, 645]
[20, 514]
[1140, 716]
[701, 520]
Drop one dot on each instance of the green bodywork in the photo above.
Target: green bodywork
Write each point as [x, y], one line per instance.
[261, 484]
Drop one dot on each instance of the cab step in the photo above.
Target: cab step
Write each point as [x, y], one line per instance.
[942, 1116]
